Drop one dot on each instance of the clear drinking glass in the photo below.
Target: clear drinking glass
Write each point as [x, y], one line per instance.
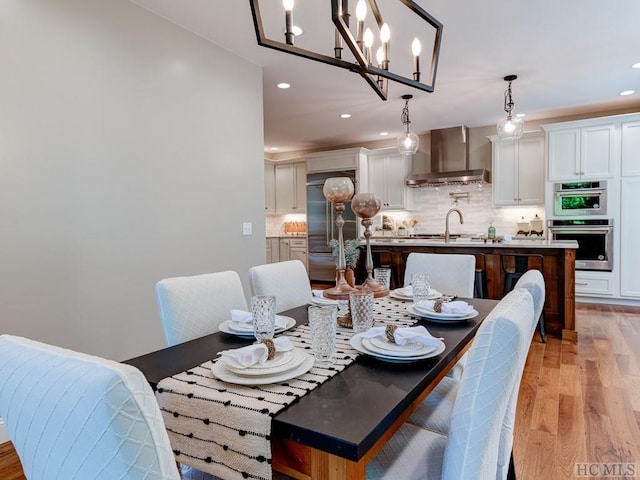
[420, 286]
[323, 325]
[361, 304]
[382, 276]
[263, 309]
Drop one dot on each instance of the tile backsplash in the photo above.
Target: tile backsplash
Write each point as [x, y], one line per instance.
[431, 204]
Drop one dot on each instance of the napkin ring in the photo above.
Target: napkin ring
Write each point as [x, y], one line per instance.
[437, 305]
[389, 331]
[271, 347]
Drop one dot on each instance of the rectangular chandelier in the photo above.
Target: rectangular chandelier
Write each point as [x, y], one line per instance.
[310, 32]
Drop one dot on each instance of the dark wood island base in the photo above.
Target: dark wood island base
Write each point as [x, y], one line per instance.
[559, 271]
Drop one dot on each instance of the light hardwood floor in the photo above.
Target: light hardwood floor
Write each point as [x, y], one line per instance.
[579, 400]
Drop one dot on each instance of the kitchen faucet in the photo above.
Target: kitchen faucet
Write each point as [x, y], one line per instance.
[446, 223]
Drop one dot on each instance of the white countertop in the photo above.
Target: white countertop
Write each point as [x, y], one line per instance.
[474, 242]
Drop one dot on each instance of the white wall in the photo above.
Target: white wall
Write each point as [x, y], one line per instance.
[130, 150]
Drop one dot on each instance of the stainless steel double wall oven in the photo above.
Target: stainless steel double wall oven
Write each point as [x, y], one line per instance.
[580, 211]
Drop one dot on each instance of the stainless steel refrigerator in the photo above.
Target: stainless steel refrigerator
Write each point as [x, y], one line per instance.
[321, 226]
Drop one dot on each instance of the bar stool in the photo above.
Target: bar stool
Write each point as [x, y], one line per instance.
[480, 283]
[521, 263]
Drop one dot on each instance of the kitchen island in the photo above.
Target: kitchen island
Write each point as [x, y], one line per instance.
[558, 258]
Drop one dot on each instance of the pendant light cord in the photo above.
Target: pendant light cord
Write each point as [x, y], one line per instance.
[405, 113]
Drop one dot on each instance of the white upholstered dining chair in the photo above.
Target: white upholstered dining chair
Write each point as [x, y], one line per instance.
[75, 416]
[450, 274]
[471, 446]
[191, 307]
[435, 412]
[288, 281]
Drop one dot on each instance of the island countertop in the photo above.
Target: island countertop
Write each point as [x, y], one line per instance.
[465, 242]
[556, 259]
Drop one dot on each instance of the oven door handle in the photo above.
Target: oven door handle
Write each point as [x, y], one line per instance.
[580, 231]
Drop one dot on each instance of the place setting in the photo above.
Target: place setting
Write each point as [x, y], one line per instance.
[406, 293]
[269, 361]
[395, 344]
[443, 311]
[243, 324]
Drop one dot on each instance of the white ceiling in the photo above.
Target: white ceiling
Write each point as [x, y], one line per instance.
[571, 56]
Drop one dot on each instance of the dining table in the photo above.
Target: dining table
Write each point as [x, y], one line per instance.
[334, 428]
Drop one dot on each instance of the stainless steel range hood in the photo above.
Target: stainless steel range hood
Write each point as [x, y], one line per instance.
[449, 161]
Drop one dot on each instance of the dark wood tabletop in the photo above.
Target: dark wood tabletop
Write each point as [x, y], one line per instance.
[349, 413]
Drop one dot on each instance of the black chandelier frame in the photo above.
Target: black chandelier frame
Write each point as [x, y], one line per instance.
[376, 77]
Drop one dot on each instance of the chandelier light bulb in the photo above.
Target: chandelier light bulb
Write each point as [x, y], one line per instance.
[288, 5]
[385, 33]
[416, 47]
[361, 10]
[368, 38]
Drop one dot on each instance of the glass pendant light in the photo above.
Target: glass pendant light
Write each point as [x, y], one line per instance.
[510, 128]
[407, 143]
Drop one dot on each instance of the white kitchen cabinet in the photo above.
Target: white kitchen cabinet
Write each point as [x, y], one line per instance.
[629, 228]
[273, 250]
[580, 153]
[594, 284]
[386, 176]
[269, 188]
[293, 249]
[630, 148]
[291, 188]
[518, 170]
[298, 250]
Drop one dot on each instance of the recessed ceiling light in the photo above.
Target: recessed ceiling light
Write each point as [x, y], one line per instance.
[627, 92]
[274, 149]
[636, 65]
[384, 134]
[520, 115]
[345, 115]
[283, 85]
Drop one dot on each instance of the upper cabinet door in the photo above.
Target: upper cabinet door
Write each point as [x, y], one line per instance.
[631, 149]
[531, 170]
[597, 151]
[564, 154]
[505, 172]
[387, 175]
[290, 186]
[269, 188]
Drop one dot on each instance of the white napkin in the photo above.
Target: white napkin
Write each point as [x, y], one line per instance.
[408, 290]
[241, 316]
[318, 293]
[255, 354]
[406, 335]
[457, 307]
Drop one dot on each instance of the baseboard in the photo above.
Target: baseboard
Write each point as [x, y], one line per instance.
[4, 436]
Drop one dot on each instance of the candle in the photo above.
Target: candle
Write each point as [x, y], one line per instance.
[385, 35]
[416, 48]
[368, 42]
[288, 19]
[361, 15]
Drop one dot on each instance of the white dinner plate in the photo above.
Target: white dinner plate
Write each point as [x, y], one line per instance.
[356, 343]
[280, 363]
[401, 294]
[441, 317]
[370, 345]
[381, 342]
[220, 372]
[323, 301]
[246, 330]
